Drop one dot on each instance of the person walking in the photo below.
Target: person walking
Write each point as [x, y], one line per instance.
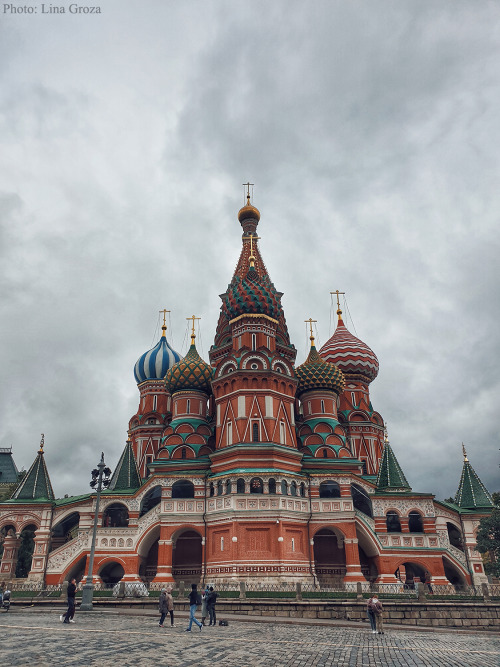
[68, 616]
[170, 606]
[371, 615]
[162, 606]
[204, 599]
[379, 611]
[194, 602]
[212, 599]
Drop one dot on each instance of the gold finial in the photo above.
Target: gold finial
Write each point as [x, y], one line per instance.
[42, 442]
[339, 312]
[193, 335]
[310, 321]
[386, 436]
[466, 460]
[247, 186]
[252, 256]
[164, 327]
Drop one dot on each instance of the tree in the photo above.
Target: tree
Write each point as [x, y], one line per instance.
[488, 541]
[496, 497]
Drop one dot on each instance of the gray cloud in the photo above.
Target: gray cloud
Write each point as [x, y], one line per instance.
[370, 130]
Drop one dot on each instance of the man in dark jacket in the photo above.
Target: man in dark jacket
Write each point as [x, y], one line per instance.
[212, 599]
[194, 601]
[68, 616]
[162, 606]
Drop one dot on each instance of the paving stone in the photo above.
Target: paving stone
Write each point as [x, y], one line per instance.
[111, 638]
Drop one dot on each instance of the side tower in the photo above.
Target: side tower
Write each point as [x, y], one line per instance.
[154, 411]
[364, 426]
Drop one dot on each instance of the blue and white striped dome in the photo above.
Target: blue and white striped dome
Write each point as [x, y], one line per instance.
[154, 364]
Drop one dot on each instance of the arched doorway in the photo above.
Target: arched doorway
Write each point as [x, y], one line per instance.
[186, 557]
[111, 573]
[115, 516]
[65, 530]
[151, 499]
[411, 573]
[77, 570]
[329, 557]
[453, 574]
[148, 552]
[25, 553]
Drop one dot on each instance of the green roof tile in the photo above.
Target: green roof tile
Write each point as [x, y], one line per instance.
[35, 485]
[471, 492]
[390, 474]
[126, 474]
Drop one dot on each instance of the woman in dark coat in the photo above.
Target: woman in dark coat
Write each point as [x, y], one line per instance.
[163, 606]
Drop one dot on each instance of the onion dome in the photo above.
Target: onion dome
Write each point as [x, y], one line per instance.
[248, 212]
[251, 294]
[354, 358]
[315, 373]
[190, 373]
[154, 363]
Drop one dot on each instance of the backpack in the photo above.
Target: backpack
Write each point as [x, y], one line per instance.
[224, 623]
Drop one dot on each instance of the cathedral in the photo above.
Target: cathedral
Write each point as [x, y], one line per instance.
[246, 467]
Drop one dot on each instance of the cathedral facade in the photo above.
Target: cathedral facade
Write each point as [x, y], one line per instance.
[248, 467]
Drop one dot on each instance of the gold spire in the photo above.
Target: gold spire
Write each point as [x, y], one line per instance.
[193, 335]
[164, 327]
[247, 186]
[386, 436]
[466, 460]
[310, 322]
[339, 312]
[42, 442]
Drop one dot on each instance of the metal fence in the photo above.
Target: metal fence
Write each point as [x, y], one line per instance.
[260, 590]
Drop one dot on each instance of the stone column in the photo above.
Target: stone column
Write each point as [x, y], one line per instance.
[165, 553]
[9, 559]
[40, 554]
[353, 566]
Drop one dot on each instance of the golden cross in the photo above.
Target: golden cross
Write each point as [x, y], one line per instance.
[252, 256]
[386, 436]
[310, 321]
[193, 335]
[42, 442]
[247, 186]
[464, 453]
[164, 311]
[339, 312]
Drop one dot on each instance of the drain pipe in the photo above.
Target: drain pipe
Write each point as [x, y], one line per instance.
[308, 531]
[205, 534]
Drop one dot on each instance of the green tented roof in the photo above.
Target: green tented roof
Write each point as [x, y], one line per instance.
[471, 492]
[8, 470]
[390, 474]
[35, 485]
[126, 475]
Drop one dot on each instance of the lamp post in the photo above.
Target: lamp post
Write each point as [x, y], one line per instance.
[101, 477]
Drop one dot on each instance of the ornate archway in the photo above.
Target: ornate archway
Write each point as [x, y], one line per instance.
[187, 557]
[329, 557]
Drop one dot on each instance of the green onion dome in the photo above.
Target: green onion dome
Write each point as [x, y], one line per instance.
[253, 295]
[190, 373]
[315, 373]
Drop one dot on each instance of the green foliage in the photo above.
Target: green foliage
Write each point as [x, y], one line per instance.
[488, 542]
[495, 496]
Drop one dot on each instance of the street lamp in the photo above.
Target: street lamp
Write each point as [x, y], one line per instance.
[101, 477]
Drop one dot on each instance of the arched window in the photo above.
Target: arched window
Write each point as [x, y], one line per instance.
[212, 489]
[150, 500]
[256, 485]
[183, 453]
[361, 500]
[293, 489]
[284, 488]
[329, 489]
[323, 407]
[188, 406]
[116, 515]
[255, 431]
[220, 488]
[228, 486]
[155, 400]
[455, 536]
[254, 341]
[282, 433]
[303, 490]
[240, 486]
[415, 524]
[183, 489]
[392, 522]
[325, 453]
[272, 485]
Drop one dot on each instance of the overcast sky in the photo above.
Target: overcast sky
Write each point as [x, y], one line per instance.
[371, 131]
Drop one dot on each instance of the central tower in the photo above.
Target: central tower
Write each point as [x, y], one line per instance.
[254, 382]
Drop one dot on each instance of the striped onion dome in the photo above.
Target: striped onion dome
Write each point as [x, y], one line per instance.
[154, 364]
[354, 358]
[315, 373]
[190, 373]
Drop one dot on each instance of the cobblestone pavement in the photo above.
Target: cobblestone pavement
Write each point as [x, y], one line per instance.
[109, 639]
